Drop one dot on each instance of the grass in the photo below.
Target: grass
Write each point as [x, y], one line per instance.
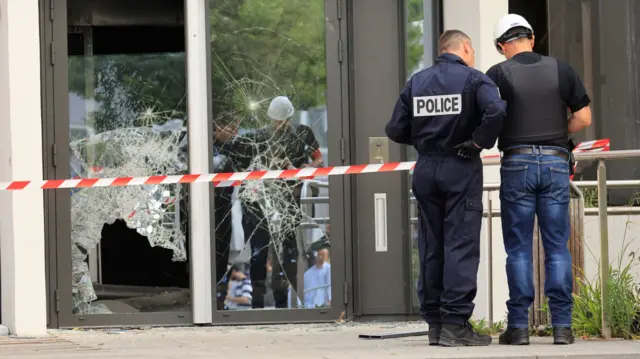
[624, 294]
[590, 196]
[482, 327]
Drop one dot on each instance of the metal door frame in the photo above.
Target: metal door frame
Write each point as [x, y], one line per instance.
[339, 205]
[47, 92]
[57, 202]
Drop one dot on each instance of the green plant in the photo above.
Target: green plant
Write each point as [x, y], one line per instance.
[623, 294]
[482, 327]
[590, 196]
[498, 327]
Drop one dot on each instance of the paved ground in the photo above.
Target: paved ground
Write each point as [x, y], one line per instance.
[330, 341]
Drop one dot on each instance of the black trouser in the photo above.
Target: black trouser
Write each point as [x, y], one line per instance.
[223, 232]
[256, 230]
[448, 190]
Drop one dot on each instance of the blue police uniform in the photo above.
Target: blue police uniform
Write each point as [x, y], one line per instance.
[438, 109]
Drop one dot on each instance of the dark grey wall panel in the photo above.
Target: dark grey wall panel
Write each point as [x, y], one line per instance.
[377, 64]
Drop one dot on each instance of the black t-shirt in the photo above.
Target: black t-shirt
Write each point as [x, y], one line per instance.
[297, 143]
[572, 89]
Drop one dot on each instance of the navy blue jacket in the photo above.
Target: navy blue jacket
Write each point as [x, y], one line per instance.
[445, 105]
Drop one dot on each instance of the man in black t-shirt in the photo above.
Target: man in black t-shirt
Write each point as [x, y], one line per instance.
[534, 174]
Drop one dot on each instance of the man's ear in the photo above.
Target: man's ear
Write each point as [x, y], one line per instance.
[533, 41]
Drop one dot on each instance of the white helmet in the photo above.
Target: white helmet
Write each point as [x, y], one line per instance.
[507, 23]
[280, 109]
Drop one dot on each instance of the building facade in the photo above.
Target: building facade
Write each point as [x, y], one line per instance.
[108, 88]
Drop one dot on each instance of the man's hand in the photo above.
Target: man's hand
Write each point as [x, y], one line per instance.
[468, 149]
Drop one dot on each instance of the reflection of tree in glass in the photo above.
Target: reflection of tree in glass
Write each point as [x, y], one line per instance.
[266, 48]
[415, 47]
[131, 87]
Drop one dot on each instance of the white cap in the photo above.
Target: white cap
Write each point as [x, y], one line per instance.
[507, 23]
[280, 109]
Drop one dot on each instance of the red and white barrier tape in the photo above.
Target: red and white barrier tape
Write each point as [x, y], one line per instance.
[591, 146]
[236, 178]
[218, 179]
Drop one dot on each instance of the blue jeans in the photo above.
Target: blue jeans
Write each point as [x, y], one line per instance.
[536, 184]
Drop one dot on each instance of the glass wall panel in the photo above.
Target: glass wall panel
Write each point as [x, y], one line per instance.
[127, 118]
[272, 237]
[599, 39]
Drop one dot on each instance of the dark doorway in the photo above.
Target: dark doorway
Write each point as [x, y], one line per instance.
[535, 11]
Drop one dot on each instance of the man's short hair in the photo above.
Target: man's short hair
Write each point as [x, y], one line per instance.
[452, 39]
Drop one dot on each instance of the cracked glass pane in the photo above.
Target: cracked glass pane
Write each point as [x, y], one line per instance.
[129, 244]
[272, 237]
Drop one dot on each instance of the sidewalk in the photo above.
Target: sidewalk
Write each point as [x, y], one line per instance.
[314, 341]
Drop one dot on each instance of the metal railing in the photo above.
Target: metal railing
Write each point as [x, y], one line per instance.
[602, 211]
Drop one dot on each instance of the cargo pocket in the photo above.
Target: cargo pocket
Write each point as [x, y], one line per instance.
[513, 182]
[472, 217]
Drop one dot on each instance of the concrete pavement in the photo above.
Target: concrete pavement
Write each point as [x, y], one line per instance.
[314, 341]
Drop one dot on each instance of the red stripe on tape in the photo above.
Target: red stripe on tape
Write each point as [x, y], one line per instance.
[155, 180]
[288, 173]
[388, 167]
[256, 175]
[219, 177]
[322, 172]
[52, 184]
[87, 182]
[122, 181]
[189, 178]
[18, 185]
[355, 169]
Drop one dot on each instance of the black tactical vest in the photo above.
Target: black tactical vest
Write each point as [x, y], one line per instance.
[536, 114]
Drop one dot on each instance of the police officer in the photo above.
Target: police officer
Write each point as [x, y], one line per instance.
[449, 113]
[535, 173]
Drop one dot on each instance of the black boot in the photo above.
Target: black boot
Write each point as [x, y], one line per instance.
[562, 336]
[462, 335]
[515, 336]
[434, 334]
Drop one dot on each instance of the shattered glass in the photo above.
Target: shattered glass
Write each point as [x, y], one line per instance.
[150, 210]
[269, 233]
[127, 119]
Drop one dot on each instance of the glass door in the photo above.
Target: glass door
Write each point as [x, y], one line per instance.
[120, 98]
[276, 89]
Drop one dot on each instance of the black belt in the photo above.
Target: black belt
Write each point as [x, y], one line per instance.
[529, 151]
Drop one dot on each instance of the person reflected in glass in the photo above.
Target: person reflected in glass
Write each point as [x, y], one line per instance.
[317, 281]
[297, 144]
[232, 153]
[240, 289]
[224, 150]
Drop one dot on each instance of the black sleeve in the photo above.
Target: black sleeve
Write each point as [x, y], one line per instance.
[309, 139]
[493, 112]
[495, 74]
[572, 89]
